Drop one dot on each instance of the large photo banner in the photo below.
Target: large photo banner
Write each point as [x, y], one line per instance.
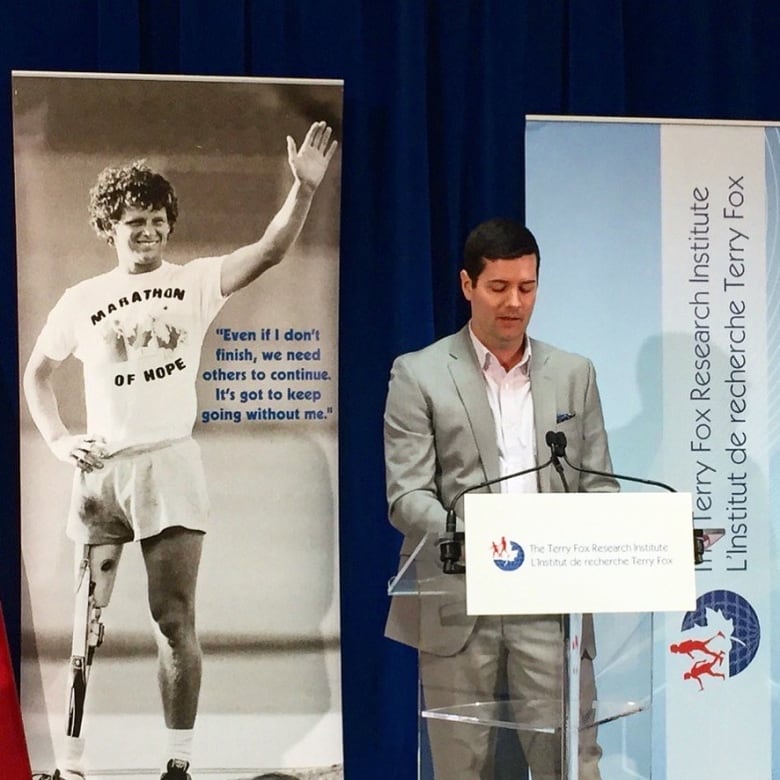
[178, 296]
[659, 245]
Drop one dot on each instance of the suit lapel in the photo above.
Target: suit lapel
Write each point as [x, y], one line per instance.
[467, 376]
[543, 393]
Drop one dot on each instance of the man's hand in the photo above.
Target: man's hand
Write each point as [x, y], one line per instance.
[309, 163]
[84, 451]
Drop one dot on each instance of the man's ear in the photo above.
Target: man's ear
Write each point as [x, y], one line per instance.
[466, 284]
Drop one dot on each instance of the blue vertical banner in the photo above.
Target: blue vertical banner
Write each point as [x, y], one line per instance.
[658, 245]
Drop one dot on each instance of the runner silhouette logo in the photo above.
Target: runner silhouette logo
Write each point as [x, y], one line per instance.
[720, 638]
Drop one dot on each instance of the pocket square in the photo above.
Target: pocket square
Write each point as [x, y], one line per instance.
[563, 416]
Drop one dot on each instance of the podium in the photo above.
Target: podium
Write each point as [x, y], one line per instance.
[618, 719]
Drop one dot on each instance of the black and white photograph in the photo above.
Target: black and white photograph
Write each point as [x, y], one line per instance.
[178, 254]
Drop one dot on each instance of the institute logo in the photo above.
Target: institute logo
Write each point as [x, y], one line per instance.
[719, 640]
[507, 555]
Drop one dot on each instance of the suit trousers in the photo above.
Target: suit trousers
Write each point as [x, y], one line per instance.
[531, 647]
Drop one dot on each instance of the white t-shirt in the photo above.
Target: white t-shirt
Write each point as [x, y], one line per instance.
[139, 338]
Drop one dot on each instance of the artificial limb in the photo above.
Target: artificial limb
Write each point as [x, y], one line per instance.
[95, 578]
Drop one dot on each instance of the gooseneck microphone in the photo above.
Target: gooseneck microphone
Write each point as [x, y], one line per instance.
[560, 448]
[700, 535]
[451, 544]
[556, 441]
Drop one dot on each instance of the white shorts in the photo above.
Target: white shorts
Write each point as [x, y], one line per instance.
[139, 492]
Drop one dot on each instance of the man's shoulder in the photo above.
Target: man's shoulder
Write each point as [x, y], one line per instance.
[548, 354]
[194, 264]
[198, 271]
[442, 350]
[91, 283]
[429, 369]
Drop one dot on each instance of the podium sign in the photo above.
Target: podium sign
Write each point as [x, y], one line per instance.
[539, 553]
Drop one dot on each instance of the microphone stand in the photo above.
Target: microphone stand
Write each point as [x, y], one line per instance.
[572, 635]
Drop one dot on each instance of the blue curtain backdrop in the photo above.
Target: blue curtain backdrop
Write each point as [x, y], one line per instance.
[435, 96]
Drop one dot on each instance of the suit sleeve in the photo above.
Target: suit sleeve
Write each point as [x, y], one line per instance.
[595, 449]
[411, 464]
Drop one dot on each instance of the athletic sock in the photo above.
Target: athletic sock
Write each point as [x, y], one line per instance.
[73, 756]
[179, 745]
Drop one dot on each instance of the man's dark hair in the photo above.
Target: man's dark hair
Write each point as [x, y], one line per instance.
[134, 185]
[497, 239]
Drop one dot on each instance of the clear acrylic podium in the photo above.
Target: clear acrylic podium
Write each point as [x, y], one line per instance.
[619, 720]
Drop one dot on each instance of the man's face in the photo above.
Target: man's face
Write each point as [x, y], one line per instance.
[502, 301]
[140, 237]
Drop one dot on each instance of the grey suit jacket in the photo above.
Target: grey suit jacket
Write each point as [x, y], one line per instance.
[440, 437]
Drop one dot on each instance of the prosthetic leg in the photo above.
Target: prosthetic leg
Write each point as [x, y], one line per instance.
[95, 577]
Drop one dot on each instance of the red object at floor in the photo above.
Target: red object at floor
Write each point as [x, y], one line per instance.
[14, 761]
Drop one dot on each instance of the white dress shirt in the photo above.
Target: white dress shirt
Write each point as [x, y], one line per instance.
[509, 396]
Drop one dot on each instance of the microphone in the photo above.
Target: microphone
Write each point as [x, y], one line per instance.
[703, 538]
[556, 441]
[560, 448]
[451, 544]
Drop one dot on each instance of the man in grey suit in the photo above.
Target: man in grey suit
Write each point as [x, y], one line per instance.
[471, 407]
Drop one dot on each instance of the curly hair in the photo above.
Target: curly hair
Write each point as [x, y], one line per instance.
[134, 185]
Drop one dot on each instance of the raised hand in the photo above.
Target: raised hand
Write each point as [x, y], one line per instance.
[309, 163]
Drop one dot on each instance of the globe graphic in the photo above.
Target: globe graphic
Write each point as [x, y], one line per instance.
[512, 563]
[747, 629]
